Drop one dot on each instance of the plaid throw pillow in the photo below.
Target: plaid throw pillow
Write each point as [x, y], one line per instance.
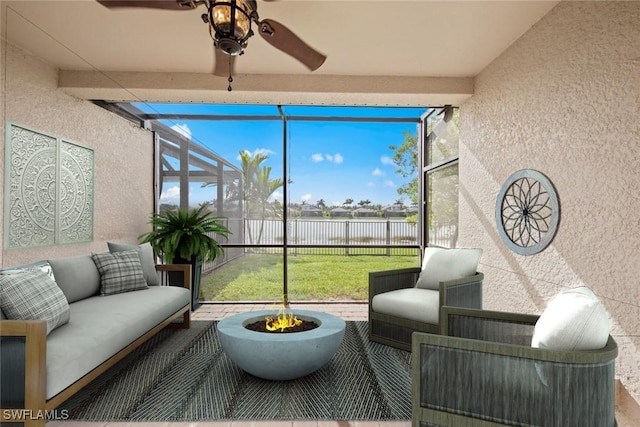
[33, 295]
[119, 272]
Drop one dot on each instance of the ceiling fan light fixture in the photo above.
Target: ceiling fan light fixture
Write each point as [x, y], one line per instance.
[231, 24]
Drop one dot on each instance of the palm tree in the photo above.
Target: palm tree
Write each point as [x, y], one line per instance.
[254, 190]
[257, 187]
[348, 202]
[265, 187]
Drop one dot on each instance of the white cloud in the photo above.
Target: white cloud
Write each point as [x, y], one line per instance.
[171, 195]
[386, 160]
[276, 195]
[371, 184]
[389, 183]
[182, 129]
[264, 151]
[331, 158]
[377, 172]
[306, 197]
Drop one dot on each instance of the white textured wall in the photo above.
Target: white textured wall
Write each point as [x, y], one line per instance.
[563, 99]
[123, 154]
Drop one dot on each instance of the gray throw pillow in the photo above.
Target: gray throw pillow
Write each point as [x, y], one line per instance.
[119, 272]
[146, 259]
[33, 295]
[77, 276]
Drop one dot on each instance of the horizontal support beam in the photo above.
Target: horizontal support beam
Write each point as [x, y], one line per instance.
[309, 89]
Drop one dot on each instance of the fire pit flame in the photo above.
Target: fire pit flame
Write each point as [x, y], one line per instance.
[282, 321]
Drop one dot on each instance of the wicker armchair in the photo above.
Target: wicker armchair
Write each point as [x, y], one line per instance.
[394, 330]
[482, 371]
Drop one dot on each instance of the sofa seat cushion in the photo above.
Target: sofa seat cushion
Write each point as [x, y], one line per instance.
[101, 326]
[417, 304]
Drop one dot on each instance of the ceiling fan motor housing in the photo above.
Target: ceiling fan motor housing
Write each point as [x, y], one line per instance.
[231, 22]
[230, 46]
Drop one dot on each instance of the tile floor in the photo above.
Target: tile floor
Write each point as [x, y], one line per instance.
[627, 409]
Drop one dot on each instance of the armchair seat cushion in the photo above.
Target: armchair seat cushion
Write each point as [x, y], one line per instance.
[417, 304]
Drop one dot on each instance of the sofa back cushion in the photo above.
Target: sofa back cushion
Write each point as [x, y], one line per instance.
[441, 265]
[77, 276]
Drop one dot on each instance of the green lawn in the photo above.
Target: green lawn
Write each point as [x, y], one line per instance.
[259, 277]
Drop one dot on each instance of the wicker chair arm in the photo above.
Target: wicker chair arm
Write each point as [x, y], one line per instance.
[460, 381]
[464, 292]
[391, 280]
[497, 332]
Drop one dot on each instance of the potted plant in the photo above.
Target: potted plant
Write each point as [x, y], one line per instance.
[184, 236]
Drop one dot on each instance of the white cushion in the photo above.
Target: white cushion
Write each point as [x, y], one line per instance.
[417, 304]
[573, 320]
[441, 265]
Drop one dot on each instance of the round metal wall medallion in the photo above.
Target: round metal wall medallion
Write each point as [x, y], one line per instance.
[527, 212]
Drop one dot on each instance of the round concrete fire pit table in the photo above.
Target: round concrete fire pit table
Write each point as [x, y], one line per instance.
[280, 356]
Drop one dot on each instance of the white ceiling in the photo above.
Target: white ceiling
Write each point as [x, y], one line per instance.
[361, 38]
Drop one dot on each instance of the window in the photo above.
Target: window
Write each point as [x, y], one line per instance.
[440, 138]
[315, 197]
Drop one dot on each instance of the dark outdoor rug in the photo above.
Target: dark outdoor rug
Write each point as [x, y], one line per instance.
[183, 375]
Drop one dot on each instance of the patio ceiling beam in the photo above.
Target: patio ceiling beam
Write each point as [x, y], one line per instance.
[295, 89]
[205, 176]
[198, 162]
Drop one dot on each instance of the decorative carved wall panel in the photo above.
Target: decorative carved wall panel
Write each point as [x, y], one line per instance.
[49, 190]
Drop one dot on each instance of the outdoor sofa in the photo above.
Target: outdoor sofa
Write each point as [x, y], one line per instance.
[491, 368]
[409, 300]
[98, 308]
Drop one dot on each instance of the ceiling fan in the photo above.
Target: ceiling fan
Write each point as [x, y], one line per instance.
[229, 24]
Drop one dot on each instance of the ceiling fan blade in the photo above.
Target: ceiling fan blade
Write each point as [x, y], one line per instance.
[153, 4]
[222, 63]
[283, 38]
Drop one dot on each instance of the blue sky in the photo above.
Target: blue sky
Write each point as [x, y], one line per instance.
[332, 161]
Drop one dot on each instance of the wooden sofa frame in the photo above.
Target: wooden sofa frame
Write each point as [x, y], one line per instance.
[396, 331]
[36, 408]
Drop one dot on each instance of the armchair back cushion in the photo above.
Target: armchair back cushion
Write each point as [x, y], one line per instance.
[439, 265]
[573, 320]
